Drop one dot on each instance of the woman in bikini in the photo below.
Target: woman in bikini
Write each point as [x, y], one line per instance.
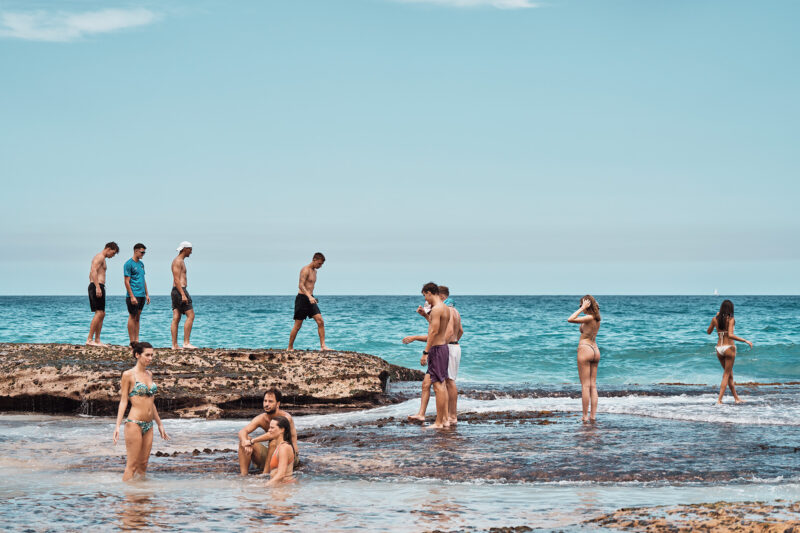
[588, 353]
[726, 349]
[138, 388]
[280, 458]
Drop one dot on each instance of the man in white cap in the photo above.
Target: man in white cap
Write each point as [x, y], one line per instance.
[181, 301]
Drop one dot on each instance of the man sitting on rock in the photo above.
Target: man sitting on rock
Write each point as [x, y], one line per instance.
[252, 449]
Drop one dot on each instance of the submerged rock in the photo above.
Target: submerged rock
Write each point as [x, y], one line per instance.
[210, 383]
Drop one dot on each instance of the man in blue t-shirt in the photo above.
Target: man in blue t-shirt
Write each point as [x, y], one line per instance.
[136, 288]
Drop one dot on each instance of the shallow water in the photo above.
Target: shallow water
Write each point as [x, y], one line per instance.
[519, 455]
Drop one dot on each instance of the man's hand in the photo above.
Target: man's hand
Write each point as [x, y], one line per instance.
[98, 292]
[134, 301]
[147, 301]
[184, 299]
[421, 311]
[423, 360]
[312, 300]
[408, 340]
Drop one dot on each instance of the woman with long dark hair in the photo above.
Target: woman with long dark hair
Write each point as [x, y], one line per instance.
[588, 353]
[138, 388]
[281, 452]
[726, 348]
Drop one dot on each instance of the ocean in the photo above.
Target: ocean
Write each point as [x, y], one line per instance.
[519, 456]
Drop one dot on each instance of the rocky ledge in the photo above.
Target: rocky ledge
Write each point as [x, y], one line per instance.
[211, 383]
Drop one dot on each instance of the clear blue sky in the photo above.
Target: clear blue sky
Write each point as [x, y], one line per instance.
[501, 147]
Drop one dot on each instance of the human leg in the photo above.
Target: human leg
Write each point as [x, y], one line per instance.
[731, 384]
[727, 376]
[297, 325]
[321, 330]
[424, 398]
[133, 446]
[173, 327]
[452, 399]
[144, 452]
[95, 327]
[585, 355]
[593, 385]
[442, 418]
[245, 456]
[187, 328]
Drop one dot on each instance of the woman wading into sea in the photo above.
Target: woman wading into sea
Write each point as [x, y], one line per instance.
[726, 349]
[281, 458]
[588, 353]
[138, 388]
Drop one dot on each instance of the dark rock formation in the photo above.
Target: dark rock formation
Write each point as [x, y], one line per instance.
[212, 383]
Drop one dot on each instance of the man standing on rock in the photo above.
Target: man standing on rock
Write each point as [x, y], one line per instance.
[305, 305]
[97, 292]
[436, 354]
[453, 335]
[181, 300]
[251, 450]
[136, 288]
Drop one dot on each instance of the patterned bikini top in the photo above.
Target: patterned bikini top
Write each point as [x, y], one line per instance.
[140, 389]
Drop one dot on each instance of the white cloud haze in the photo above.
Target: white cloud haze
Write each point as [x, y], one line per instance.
[65, 27]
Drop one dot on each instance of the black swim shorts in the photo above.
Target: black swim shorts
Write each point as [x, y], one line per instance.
[303, 308]
[178, 303]
[135, 309]
[97, 303]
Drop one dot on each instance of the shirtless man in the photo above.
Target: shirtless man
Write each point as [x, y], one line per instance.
[453, 335]
[97, 292]
[436, 354]
[251, 450]
[305, 305]
[181, 300]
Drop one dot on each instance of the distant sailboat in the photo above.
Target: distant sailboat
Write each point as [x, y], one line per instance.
[716, 292]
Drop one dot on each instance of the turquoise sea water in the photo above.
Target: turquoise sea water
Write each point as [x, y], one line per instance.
[507, 339]
[519, 456]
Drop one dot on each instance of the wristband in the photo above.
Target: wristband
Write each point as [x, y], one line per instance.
[424, 352]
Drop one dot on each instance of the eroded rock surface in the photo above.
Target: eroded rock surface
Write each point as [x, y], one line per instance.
[212, 383]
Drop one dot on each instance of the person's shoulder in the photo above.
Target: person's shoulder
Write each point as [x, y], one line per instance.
[284, 414]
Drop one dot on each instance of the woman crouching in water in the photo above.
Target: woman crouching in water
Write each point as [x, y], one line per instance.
[138, 388]
[281, 460]
[726, 349]
[588, 353]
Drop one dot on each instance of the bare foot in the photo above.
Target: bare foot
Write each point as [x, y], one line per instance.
[289, 349]
[91, 343]
[453, 421]
[739, 401]
[325, 349]
[101, 344]
[175, 347]
[719, 402]
[187, 346]
[585, 419]
[433, 426]
[416, 418]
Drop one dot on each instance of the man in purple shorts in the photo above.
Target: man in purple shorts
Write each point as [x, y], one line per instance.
[436, 353]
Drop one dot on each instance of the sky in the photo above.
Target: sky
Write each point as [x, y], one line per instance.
[496, 146]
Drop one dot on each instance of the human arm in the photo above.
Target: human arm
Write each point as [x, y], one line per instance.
[157, 418]
[93, 275]
[146, 293]
[412, 338]
[575, 319]
[282, 470]
[731, 323]
[433, 327]
[176, 279]
[712, 325]
[293, 431]
[423, 314]
[130, 291]
[124, 389]
[460, 331]
[244, 434]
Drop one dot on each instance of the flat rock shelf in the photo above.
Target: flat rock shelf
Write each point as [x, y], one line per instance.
[210, 383]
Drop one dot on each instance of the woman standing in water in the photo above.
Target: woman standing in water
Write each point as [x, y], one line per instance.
[139, 424]
[726, 349]
[588, 353]
[281, 458]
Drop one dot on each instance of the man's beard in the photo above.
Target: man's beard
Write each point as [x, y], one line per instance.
[271, 411]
